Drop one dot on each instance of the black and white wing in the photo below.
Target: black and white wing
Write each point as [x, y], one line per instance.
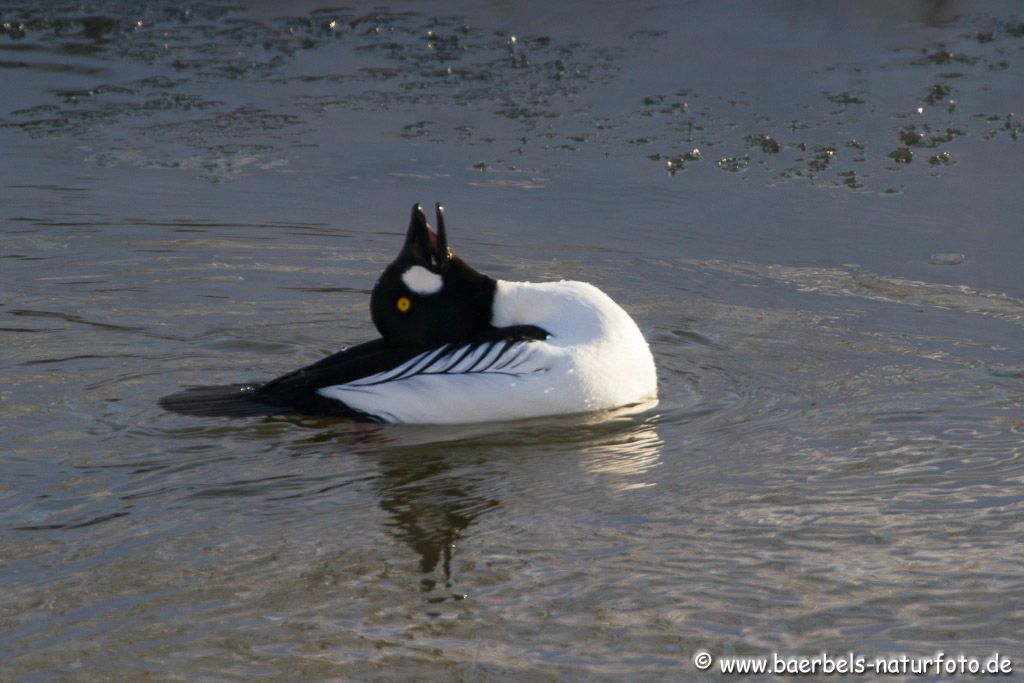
[324, 387]
[451, 383]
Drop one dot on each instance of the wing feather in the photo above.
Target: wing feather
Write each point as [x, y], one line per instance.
[509, 359]
[376, 381]
[488, 359]
[411, 367]
[447, 384]
[467, 359]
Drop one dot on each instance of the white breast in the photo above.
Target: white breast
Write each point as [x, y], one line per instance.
[596, 358]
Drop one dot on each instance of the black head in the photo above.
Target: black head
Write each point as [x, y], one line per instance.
[428, 295]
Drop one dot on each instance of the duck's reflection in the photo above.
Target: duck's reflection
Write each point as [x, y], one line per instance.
[431, 502]
[434, 491]
[623, 461]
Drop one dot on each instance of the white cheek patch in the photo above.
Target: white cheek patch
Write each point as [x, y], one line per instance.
[422, 281]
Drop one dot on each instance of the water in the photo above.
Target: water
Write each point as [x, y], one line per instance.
[204, 194]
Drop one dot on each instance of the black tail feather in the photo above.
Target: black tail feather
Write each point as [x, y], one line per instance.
[229, 400]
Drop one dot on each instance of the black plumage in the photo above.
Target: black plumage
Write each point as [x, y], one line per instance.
[296, 391]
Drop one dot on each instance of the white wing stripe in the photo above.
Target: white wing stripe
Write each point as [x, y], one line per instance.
[452, 359]
[427, 358]
[467, 361]
[460, 360]
[444, 361]
[488, 358]
[513, 358]
[411, 366]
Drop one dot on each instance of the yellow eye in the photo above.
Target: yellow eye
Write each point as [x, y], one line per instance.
[403, 304]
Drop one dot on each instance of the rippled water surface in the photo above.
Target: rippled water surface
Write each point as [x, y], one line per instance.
[812, 210]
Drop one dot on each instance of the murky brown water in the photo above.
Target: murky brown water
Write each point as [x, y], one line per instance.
[813, 212]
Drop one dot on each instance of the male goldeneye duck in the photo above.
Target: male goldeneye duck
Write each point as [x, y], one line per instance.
[458, 346]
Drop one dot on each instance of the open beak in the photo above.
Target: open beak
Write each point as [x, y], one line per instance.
[423, 244]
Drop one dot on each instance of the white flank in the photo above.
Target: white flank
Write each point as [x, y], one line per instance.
[422, 281]
[595, 359]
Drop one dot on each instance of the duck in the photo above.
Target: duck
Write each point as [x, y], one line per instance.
[457, 346]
